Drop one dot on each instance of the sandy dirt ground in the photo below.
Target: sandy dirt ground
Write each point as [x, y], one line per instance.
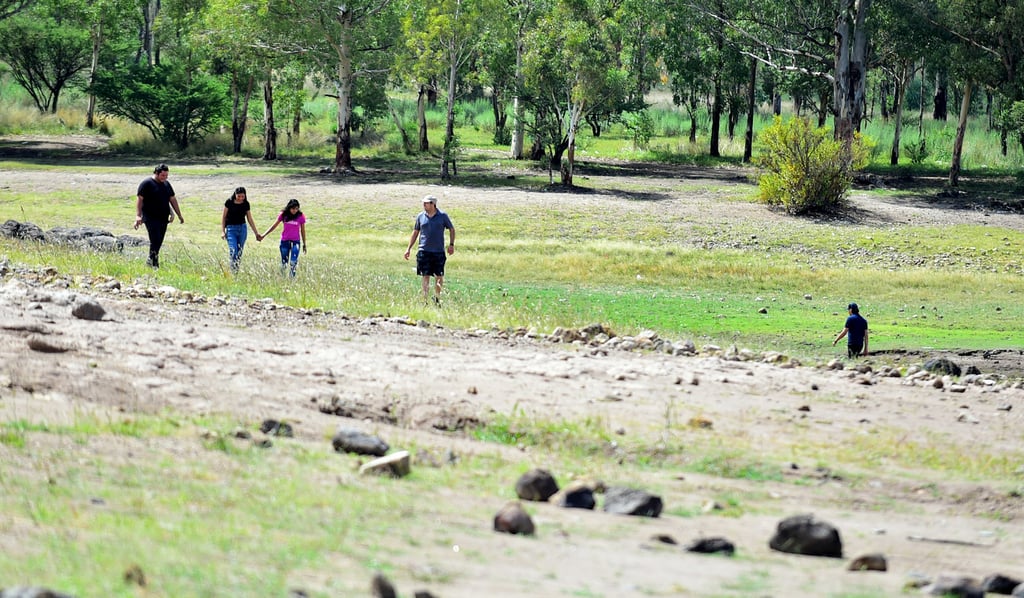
[164, 354]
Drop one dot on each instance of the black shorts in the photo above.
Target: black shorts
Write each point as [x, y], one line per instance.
[854, 350]
[430, 263]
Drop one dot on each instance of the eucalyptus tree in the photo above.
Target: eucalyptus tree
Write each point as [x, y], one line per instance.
[239, 39]
[826, 39]
[446, 39]
[497, 70]
[988, 52]
[352, 46]
[571, 70]
[109, 23]
[46, 46]
[703, 58]
[901, 43]
[523, 17]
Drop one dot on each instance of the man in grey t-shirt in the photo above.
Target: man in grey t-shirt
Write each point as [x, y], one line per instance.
[429, 228]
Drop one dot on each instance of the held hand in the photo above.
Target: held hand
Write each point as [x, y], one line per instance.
[259, 238]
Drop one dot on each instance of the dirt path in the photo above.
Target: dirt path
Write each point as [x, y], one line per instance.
[167, 354]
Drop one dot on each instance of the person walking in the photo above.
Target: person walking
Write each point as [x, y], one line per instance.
[429, 228]
[293, 223]
[232, 226]
[855, 331]
[155, 200]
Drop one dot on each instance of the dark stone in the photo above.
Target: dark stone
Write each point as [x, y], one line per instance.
[13, 229]
[1000, 584]
[869, 562]
[347, 440]
[380, 587]
[536, 485]
[88, 309]
[712, 546]
[276, 428]
[803, 534]
[942, 366]
[32, 593]
[578, 498]
[630, 501]
[513, 519]
[958, 586]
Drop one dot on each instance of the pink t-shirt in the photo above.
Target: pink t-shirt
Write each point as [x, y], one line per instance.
[291, 230]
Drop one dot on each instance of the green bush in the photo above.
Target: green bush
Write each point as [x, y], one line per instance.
[804, 168]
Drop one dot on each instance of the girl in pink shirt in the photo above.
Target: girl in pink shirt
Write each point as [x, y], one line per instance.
[292, 232]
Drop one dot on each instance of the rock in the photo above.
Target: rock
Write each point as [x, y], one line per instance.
[869, 562]
[712, 546]
[22, 592]
[396, 465]
[630, 501]
[88, 309]
[577, 495]
[1000, 584]
[42, 344]
[1018, 592]
[803, 534]
[273, 427]
[380, 587]
[942, 366]
[513, 519]
[954, 585]
[348, 440]
[536, 485]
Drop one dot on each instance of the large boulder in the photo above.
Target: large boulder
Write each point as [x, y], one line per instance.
[803, 534]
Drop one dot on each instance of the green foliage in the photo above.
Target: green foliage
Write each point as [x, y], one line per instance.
[45, 52]
[174, 103]
[806, 171]
[640, 126]
[916, 151]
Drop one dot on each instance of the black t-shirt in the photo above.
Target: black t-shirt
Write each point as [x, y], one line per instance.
[156, 198]
[236, 211]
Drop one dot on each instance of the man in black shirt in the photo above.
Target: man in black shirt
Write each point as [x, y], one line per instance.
[153, 208]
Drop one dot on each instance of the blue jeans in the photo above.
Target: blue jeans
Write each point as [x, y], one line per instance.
[236, 235]
[289, 253]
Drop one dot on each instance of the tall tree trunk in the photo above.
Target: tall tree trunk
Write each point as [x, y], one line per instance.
[448, 153]
[958, 142]
[500, 116]
[716, 119]
[270, 149]
[149, 12]
[899, 92]
[239, 113]
[575, 115]
[97, 37]
[406, 142]
[421, 118]
[777, 104]
[850, 69]
[346, 87]
[748, 141]
[940, 98]
[883, 98]
[518, 107]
